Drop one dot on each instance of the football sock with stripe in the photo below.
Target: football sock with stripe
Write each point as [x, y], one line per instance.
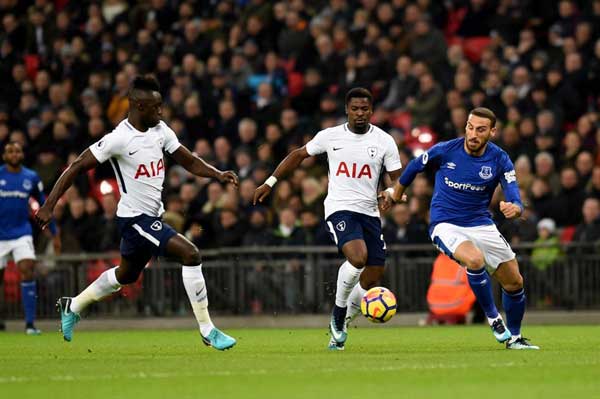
[195, 286]
[104, 285]
[514, 306]
[481, 284]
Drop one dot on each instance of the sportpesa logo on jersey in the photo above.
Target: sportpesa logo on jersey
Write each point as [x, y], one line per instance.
[463, 186]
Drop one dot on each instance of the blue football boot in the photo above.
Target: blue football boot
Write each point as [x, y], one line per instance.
[218, 340]
[68, 319]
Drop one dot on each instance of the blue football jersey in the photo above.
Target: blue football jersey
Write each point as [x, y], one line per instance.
[464, 184]
[15, 190]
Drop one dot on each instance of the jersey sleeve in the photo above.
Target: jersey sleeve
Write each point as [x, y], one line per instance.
[171, 143]
[417, 165]
[391, 159]
[107, 147]
[318, 144]
[508, 181]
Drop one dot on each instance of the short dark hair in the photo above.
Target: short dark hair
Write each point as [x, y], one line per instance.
[145, 83]
[359, 92]
[485, 113]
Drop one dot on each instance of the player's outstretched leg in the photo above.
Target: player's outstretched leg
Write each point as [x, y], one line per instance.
[70, 308]
[195, 287]
[513, 300]
[481, 285]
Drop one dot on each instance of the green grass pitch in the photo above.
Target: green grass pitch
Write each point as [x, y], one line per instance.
[438, 362]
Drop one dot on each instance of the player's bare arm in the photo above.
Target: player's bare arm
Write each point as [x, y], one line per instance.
[199, 167]
[84, 162]
[291, 162]
[387, 195]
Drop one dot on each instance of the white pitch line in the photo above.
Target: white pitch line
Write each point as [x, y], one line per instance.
[167, 375]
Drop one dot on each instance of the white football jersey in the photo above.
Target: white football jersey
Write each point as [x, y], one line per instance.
[355, 165]
[137, 159]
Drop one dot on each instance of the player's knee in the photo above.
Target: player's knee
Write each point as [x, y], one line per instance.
[127, 277]
[515, 284]
[192, 257]
[359, 260]
[474, 260]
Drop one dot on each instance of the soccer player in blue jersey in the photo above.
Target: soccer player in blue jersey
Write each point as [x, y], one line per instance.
[467, 172]
[17, 185]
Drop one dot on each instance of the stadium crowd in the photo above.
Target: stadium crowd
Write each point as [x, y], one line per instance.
[246, 81]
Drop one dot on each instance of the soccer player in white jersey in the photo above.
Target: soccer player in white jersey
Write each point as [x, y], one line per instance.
[357, 152]
[135, 149]
[467, 172]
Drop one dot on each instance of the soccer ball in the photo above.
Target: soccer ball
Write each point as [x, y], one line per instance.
[378, 305]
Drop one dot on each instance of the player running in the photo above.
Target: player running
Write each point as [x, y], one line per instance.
[17, 185]
[135, 150]
[467, 173]
[357, 152]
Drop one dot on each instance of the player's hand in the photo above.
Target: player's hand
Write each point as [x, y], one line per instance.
[43, 216]
[229, 177]
[510, 210]
[385, 200]
[57, 244]
[261, 193]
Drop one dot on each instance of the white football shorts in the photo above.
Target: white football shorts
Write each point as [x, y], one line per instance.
[447, 237]
[21, 248]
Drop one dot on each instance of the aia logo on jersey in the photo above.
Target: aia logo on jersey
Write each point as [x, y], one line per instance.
[354, 171]
[485, 172]
[152, 170]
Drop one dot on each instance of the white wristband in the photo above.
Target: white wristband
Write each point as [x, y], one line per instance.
[271, 181]
[390, 190]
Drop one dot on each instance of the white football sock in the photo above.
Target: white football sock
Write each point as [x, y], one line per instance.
[103, 286]
[195, 286]
[348, 277]
[354, 302]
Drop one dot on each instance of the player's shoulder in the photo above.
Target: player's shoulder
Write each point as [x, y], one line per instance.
[451, 145]
[29, 173]
[495, 151]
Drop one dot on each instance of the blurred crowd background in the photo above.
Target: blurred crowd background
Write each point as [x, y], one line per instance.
[246, 81]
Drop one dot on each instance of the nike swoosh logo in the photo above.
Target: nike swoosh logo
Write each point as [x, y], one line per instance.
[199, 292]
[339, 148]
[133, 152]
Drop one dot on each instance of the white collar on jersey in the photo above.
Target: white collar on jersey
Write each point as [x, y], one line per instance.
[346, 128]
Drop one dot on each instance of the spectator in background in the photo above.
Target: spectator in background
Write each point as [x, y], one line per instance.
[593, 187]
[589, 230]
[547, 250]
[544, 169]
[427, 100]
[288, 232]
[258, 232]
[567, 204]
[109, 237]
[403, 230]
[229, 231]
[403, 85]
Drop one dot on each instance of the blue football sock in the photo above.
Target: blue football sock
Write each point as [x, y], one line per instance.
[28, 296]
[339, 316]
[481, 284]
[514, 306]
